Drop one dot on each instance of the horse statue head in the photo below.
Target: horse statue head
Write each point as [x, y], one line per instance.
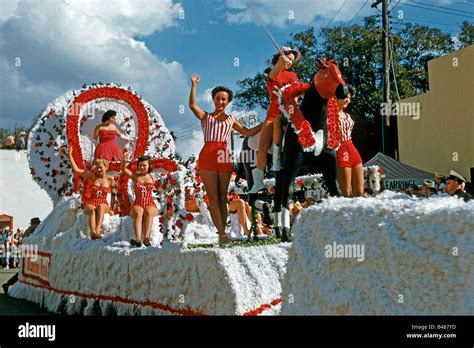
[327, 78]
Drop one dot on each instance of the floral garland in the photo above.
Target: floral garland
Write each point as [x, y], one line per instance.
[333, 127]
[301, 126]
[73, 120]
[291, 110]
[49, 165]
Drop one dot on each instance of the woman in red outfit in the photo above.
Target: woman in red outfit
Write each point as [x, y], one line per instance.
[95, 203]
[350, 171]
[106, 132]
[275, 78]
[144, 208]
[215, 162]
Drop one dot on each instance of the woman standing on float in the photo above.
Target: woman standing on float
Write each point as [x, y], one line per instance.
[349, 163]
[275, 77]
[106, 132]
[215, 162]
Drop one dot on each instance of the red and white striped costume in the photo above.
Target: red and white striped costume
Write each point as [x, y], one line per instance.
[97, 196]
[215, 130]
[346, 124]
[215, 155]
[143, 194]
[347, 155]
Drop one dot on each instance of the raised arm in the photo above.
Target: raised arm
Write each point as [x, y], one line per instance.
[279, 66]
[124, 168]
[197, 111]
[248, 132]
[75, 168]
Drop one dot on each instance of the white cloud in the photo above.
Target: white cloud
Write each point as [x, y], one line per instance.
[302, 12]
[281, 13]
[63, 44]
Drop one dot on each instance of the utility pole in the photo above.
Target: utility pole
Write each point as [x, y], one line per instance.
[385, 122]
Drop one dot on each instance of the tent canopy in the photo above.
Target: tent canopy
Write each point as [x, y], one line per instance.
[397, 174]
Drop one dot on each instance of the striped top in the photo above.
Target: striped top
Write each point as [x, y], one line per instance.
[346, 124]
[143, 194]
[98, 195]
[215, 130]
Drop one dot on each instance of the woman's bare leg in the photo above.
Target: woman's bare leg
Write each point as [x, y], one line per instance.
[211, 184]
[238, 205]
[358, 181]
[89, 210]
[266, 138]
[137, 215]
[344, 180]
[277, 130]
[149, 214]
[100, 211]
[224, 179]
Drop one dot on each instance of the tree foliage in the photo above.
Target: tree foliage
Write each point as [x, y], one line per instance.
[358, 51]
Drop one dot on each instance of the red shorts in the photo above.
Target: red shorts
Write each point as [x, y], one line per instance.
[347, 155]
[273, 112]
[215, 156]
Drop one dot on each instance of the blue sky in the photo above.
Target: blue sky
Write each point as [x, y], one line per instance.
[65, 43]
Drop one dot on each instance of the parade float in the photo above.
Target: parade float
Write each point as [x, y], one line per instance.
[384, 255]
[67, 272]
[389, 255]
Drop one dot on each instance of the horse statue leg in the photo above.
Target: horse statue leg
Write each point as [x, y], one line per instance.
[327, 160]
[292, 159]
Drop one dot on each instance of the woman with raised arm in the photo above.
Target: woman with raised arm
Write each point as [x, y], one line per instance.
[275, 77]
[144, 208]
[95, 203]
[215, 162]
[106, 132]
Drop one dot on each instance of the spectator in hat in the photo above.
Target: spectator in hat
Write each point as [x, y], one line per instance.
[22, 141]
[455, 185]
[34, 223]
[428, 188]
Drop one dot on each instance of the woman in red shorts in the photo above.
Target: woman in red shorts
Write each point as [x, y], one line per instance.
[144, 208]
[275, 78]
[95, 199]
[350, 171]
[215, 161]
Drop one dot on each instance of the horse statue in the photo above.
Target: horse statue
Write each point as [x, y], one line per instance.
[307, 135]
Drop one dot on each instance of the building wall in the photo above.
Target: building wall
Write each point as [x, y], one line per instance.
[443, 136]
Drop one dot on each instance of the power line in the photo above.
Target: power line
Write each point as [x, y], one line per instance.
[340, 8]
[441, 7]
[354, 16]
[464, 3]
[419, 20]
[435, 10]
[416, 21]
